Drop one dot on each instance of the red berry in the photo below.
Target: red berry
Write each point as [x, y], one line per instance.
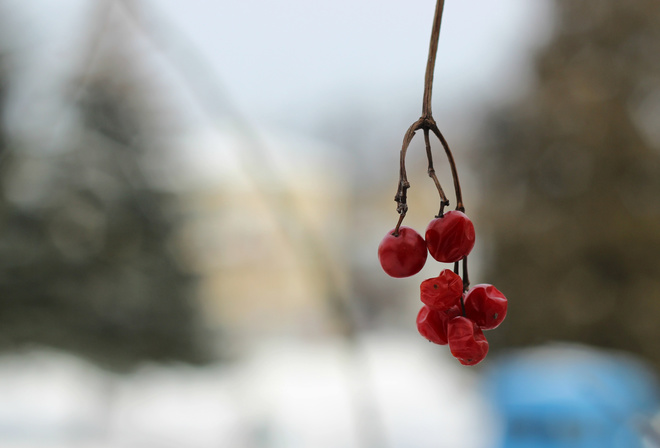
[432, 324]
[451, 237]
[402, 255]
[466, 341]
[443, 291]
[486, 306]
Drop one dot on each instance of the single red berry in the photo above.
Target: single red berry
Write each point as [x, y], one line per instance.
[442, 292]
[451, 237]
[466, 341]
[432, 324]
[402, 255]
[486, 306]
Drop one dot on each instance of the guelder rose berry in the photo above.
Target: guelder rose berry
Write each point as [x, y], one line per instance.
[442, 292]
[466, 341]
[432, 324]
[451, 237]
[486, 306]
[402, 255]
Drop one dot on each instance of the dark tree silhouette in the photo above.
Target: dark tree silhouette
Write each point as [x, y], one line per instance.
[571, 181]
[88, 262]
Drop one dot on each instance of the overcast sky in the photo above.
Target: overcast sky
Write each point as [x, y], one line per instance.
[277, 57]
[287, 59]
[292, 64]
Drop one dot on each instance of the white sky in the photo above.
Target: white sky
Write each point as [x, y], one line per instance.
[284, 61]
[278, 58]
[295, 63]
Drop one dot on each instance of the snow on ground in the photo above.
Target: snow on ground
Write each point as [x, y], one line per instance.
[386, 391]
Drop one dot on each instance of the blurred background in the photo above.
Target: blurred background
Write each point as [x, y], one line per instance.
[192, 194]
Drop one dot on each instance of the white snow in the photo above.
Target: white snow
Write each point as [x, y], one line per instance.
[392, 390]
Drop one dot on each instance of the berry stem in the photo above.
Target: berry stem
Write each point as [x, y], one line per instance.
[452, 165]
[427, 123]
[398, 224]
[466, 281]
[431, 172]
[401, 196]
[430, 63]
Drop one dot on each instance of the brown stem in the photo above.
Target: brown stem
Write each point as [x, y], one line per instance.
[398, 224]
[431, 172]
[466, 281]
[430, 64]
[452, 165]
[401, 196]
[426, 122]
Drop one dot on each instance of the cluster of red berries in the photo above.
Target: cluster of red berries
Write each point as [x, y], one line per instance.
[452, 314]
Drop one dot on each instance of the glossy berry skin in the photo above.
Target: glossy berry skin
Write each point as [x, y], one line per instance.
[432, 324]
[402, 255]
[466, 341]
[451, 237]
[486, 306]
[442, 292]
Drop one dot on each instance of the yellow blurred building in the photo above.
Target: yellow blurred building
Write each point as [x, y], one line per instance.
[266, 216]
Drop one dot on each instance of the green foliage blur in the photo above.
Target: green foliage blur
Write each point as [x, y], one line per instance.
[87, 263]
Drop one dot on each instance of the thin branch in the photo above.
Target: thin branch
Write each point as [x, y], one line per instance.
[431, 172]
[430, 64]
[427, 123]
[452, 165]
[466, 281]
[402, 190]
[398, 224]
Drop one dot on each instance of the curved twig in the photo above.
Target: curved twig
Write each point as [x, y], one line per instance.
[401, 196]
[452, 165]
[427, 123]
[431, 172]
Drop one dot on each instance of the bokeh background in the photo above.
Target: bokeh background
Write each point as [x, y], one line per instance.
[192, 194]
